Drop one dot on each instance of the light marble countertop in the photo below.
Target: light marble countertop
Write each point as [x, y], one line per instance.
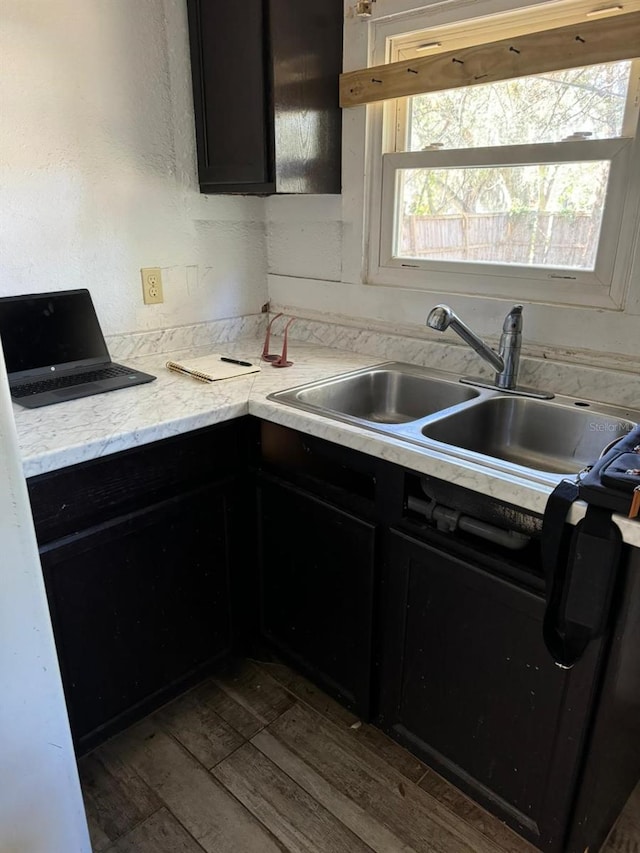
[75, 431]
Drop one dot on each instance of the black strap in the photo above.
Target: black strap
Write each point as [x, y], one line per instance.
[580, 578]
[555, 516]
[553, 526]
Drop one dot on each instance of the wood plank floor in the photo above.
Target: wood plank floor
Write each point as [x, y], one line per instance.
[261, 761]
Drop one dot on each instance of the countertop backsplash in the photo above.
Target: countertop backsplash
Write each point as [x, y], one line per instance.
[189, 337]
[584, 381]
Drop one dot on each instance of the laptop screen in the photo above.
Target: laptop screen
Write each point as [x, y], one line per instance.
[45, 329]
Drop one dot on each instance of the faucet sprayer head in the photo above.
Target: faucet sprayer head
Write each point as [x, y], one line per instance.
[513, 321]
[440, 318]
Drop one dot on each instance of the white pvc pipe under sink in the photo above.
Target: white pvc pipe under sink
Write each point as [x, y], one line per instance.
[451, 519]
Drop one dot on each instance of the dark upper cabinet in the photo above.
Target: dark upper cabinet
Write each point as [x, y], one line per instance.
[265, 85]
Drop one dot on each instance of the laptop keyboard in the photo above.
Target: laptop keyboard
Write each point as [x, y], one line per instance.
[55, 382]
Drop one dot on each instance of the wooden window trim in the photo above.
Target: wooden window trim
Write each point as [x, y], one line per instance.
[589, 43]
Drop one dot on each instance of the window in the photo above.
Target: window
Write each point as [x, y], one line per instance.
[521, 188]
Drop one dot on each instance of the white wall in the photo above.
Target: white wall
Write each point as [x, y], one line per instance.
[98, 167]
[315, 249]
[40, 803]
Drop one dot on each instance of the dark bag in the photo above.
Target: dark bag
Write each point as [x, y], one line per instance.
[581, 576]
[614, 481]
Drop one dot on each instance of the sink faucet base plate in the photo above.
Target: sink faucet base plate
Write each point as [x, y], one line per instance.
[519, 391]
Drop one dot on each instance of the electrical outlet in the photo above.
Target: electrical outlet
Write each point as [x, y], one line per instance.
[152, 285]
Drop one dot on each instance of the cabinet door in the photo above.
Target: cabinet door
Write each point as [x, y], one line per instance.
[317, 571]
[138, 604]
[466, 682]
[265, 88]
[230, 92]
[306, 60]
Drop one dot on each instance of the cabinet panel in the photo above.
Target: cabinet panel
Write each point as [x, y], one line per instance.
[81, 496]
[265, 84]
[317, 570]
[306, 49]
[611, 764]
[230, 80]
[467, 682]
[139, 603]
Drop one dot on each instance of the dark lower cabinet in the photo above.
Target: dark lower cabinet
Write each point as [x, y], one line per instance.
[467, 684]
[317, 575]
[138, 604]
[155, 570]
[142, 559]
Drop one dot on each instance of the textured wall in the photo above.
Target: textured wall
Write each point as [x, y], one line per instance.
[304, 236]
[98, 167]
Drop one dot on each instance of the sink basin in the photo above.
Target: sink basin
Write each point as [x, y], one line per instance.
[380, 395]
[539, 438]
[540, 435]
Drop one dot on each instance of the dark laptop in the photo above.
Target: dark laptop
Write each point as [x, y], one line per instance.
[55, 351]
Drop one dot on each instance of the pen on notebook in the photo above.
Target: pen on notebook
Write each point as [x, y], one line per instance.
[236, 361]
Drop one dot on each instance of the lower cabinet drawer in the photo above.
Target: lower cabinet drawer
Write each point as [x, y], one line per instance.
[78, 497]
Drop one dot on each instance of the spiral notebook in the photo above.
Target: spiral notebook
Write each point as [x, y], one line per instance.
[211, 368]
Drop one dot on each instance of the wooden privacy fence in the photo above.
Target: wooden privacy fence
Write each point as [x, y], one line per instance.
[530, 237]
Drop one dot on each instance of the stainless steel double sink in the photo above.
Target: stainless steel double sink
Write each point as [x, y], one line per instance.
[427, 407]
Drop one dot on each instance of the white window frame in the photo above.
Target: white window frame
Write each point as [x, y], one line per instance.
[604, 287]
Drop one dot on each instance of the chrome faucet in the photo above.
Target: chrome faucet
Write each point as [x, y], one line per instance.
[505, 362]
